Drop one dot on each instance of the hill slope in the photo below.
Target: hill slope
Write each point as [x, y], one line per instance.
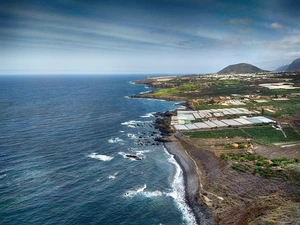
[295, 65]
[282, 68]
[240, 68]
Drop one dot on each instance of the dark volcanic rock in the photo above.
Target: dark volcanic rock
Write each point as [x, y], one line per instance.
[163, 125]
[165, 114]
[133, 157]
[162, 139]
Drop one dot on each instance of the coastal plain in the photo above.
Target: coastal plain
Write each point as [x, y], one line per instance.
[246, 174]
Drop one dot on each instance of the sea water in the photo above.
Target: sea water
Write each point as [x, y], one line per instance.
[63, 154]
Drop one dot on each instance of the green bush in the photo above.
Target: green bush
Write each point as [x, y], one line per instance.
[240, 167]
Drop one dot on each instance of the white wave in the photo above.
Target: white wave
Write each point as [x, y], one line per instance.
[100, 157]
[151, 194]
[141, 192]
[144, 92]
[113, 176]
[148, 115]
[121, 131]
[178, 192]
[3, 175]
[141, 152]
[127, 96]
[131, 122]
[141, 189]
[132, 136]
[132, 193]
[114, 140]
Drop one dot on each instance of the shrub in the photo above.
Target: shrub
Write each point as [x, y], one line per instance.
[240, 167]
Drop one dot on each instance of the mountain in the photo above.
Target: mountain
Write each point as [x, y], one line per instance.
[282, 68]
[240, 68]
[295, 65]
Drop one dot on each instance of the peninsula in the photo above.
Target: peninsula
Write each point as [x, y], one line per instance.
[240, 132]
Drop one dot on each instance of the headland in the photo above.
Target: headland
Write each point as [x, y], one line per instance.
[236, 174]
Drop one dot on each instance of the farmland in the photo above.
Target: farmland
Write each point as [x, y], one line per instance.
[263, 134]
[268, 135]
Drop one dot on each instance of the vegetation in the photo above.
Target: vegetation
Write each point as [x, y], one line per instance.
[259, 165]
[263, 134]
[183, 88]
[268, 135]
[240, 145]
[291, 106]
[224, 133]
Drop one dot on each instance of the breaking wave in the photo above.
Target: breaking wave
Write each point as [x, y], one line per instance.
[100, 157]
[178, 192]
[113, 176]
[114, 140]
[148, 115]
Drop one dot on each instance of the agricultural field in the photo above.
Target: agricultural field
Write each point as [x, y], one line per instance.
[224, 133]
[288, 107]
[268, 135]
[265, 135]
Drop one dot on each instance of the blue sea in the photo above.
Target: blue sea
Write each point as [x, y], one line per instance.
[63, 147]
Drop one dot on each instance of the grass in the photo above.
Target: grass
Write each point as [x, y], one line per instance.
[183, 88]
[224, 133]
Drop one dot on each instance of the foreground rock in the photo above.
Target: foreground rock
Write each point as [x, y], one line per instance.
[133, 157]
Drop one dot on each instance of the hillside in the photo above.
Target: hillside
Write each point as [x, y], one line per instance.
[240, 68]
[282, 68]
[295, 65]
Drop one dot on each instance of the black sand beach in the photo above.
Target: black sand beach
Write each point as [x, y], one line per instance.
[191, 181]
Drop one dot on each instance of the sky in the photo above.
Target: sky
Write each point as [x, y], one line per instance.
[146, 36]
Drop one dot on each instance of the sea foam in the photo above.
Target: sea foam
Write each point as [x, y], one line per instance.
[114, 140]
[178, 192]
[100, 157]
[148, 115]
[141, 192]
[113, 176]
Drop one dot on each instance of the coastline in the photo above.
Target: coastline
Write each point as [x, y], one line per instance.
[215, 192]
[191, 182]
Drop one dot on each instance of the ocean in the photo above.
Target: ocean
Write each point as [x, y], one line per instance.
[63, 147]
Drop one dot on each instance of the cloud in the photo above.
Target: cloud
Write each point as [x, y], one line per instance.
[276, 25]
[287, 42]
[293, 54]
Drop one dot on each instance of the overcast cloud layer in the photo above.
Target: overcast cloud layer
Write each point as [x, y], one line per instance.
[139, 36]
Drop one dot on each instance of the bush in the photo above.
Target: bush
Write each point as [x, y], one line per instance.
[240, 167]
